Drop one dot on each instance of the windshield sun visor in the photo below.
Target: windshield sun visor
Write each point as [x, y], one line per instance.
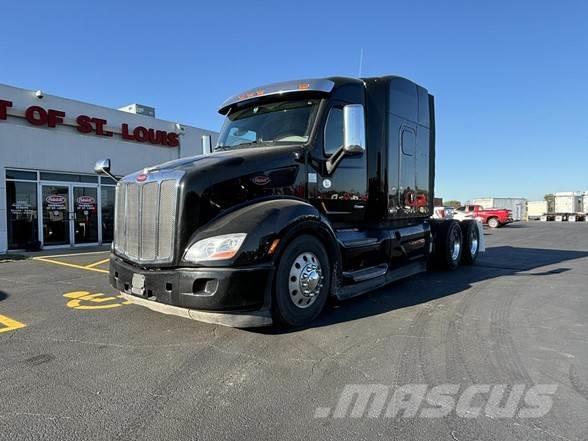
[283, 88]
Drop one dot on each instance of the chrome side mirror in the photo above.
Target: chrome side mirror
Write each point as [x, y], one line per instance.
[206, 144]
[102, 167]
[353, 128]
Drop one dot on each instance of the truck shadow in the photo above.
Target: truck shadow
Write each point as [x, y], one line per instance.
[496, 262]
[3, 295]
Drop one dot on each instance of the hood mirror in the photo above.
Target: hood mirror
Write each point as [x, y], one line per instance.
[102, 167]
[206, 144]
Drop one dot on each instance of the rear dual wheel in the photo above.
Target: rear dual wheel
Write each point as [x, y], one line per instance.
[471, 242]
[448, 245]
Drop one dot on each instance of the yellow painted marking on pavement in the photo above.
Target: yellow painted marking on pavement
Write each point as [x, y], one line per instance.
[9, 324]
[85, 301]
[70, 265]
[73, 254]
[100, 262]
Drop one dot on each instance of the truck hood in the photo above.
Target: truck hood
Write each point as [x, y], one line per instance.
[212, 184]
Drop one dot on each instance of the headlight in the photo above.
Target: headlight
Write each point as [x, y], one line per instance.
[215, 248]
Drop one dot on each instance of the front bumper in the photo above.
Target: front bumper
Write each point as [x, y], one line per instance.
[229, 296]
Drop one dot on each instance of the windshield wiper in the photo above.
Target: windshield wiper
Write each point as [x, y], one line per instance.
[229, 147]
[222, 147]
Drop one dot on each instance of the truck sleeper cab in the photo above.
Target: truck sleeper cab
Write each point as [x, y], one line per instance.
[316, 188]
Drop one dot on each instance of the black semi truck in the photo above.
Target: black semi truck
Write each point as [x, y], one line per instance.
[316, 188]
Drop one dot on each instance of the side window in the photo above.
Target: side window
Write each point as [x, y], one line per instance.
[408, 142]
[334, 131]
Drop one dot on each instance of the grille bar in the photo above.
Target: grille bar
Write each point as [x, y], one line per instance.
[145, 220]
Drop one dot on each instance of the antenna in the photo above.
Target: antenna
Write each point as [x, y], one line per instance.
[360, 61]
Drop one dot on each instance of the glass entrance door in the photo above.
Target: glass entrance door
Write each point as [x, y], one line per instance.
[85, 214]
[56, 215]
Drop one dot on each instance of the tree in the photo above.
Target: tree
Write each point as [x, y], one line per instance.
[453, 204]
[550, 198]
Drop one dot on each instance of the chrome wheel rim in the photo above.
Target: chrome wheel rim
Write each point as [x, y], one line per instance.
[474, 245]
[455, 246]
[305, 280]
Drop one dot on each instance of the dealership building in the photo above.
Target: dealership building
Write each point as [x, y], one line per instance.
[49, 194]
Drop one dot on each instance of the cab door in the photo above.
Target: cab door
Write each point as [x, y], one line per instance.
[341, 195]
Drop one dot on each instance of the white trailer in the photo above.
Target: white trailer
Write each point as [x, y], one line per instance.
[536, 209]
[518, 206]
[569, 206]
[568, 202]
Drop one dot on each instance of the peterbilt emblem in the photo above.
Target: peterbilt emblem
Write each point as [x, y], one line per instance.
[261, 180]
[141, 178]
[86, 200]
[55, 199]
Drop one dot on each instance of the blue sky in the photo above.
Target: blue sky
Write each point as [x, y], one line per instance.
[510, 78]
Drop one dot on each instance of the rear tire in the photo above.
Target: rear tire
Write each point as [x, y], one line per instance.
[302, 282]
[471, 242]
[493, 222]
[448, 245]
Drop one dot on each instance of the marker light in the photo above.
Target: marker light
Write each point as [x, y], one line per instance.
[215, 248]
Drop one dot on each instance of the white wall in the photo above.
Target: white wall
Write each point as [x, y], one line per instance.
[65, 149]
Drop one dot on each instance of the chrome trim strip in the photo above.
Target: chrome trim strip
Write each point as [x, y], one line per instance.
[140, 222]
[124, 250]
[305, 85]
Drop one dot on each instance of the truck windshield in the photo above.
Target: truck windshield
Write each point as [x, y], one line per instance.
[281, 122]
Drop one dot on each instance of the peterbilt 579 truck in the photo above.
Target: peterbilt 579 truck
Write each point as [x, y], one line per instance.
[317, 188]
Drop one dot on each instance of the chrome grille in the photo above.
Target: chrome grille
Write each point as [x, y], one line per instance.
[166, 224]
[132, 221]
[149, 220]
[145, 219]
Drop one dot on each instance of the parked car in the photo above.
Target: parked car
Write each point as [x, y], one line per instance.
[493, 217]
[443, 213]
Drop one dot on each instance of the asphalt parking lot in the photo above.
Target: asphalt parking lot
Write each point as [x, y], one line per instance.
[79, 362]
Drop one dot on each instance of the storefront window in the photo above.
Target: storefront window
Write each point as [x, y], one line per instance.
[21, 198]
[66, 177]
[107, 213]
[21, 174]
[85, 214]
[67, 210]
[56, 215]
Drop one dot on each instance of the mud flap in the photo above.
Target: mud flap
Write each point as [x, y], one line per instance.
[481, 238]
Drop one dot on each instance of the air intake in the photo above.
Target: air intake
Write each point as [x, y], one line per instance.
[145, 220]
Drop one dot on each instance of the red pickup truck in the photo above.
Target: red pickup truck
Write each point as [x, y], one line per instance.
[493, 217]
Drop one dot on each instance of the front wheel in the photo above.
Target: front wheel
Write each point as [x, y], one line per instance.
[302, 282]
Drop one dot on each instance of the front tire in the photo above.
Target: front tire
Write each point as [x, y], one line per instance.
[302, 282]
